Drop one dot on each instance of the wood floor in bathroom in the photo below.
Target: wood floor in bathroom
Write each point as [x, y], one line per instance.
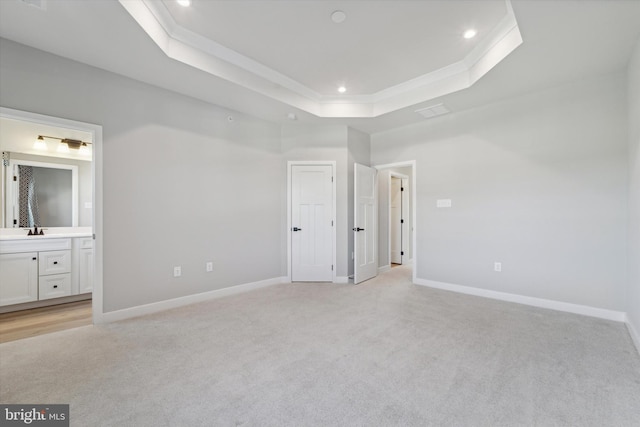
[38, 321]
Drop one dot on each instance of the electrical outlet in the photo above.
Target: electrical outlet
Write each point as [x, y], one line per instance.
[177, 271]
[209, 266]
[497, 266]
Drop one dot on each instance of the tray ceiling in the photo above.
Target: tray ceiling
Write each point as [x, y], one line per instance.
[388, 54]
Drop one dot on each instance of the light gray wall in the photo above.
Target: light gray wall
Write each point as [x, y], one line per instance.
[182, 185]
[633, 299]
[85, 187]
[308, 142]
[359, 151]
[538, 182]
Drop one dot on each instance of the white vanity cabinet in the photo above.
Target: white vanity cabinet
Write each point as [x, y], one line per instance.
[37, 269]
[18, 278]
[83, 252]
[55, 274]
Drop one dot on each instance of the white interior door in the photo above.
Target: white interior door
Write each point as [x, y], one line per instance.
[395, 220]
[311, 223]
[365, 225]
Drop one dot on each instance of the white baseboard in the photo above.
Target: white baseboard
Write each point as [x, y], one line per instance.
[586, 310]
[341, 279]
[635, 337]
[155, 307]
[384, 268]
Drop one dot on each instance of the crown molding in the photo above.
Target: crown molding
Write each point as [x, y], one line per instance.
[207, 55]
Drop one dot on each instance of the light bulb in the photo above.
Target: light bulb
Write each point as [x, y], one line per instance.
[39, 144]
[84, 150]
[63, 148]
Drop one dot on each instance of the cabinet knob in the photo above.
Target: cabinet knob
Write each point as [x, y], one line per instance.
[55, 262]
[55, 286]
[34, 258]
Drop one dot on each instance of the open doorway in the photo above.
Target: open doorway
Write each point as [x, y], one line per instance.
[399, 219]
[396, 216]
[61, 269]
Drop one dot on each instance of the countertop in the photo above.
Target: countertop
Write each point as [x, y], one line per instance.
[49, 233]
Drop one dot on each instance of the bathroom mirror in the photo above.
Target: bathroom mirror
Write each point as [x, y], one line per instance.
[41, 194]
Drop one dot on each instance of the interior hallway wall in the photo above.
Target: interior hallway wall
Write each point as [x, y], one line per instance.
[182, 185]
[538, 182]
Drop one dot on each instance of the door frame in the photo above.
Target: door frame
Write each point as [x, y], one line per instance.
[96, 176]
[401, 177]
[290, 165]
[414, 192]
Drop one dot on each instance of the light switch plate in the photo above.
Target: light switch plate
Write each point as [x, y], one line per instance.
[443, 203]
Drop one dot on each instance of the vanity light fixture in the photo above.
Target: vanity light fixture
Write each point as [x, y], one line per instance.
[66, 144]
[184, 3]
[342, 89]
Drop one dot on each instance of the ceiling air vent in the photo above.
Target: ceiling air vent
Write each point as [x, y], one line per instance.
[433, 111]
[40, 4]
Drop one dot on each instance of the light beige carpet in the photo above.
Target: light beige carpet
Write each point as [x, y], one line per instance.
[382, 353]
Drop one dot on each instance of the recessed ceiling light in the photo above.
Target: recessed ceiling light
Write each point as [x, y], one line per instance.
[469, 34]
[342, 89]
[185, 3]
[338, 16]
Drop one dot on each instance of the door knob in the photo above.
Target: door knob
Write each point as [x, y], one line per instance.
[358, 229]
[297, 229]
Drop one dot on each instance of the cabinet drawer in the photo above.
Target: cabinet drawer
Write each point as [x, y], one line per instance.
[54, 286]
[54, 262]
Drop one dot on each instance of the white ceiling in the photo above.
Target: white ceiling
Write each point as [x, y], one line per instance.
[366, 52]
[288, 56]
